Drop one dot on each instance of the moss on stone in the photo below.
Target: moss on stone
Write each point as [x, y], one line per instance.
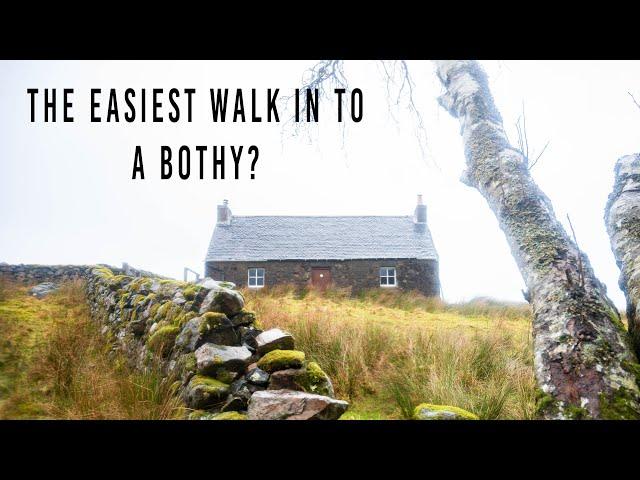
[545, 403]
[117, 281]
[140, 283]
[102, 272]
[574, 412]
[621, 405]
[209, 384]
[198, 415]
[173, 283]
[153, 311]
[191, 291]
[314, 380]
[124, 299]
[137, 300]
[633, 368]
[281, 359]
[225, 376]
[244, 317]
[229, 416]
[163, 309]
[440, 412]
[190, 362]
[162, 340]
[212, 320]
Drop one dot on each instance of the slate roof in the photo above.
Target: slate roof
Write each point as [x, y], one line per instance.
[260, 238]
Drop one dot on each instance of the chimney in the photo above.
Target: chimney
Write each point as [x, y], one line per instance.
[224, 213]
[420, 213]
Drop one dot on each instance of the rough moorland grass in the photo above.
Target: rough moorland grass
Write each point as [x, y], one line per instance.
[56, 364]
[389, 351]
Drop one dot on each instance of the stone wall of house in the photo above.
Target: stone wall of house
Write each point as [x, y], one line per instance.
[411, 274]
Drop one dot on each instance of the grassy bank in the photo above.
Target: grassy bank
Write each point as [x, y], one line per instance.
[385, 351]
[388, 351]
[54, 363]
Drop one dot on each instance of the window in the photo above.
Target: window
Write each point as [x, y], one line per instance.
[387, 276]
[256, 277]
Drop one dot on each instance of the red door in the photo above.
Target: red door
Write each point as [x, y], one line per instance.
[320, 277]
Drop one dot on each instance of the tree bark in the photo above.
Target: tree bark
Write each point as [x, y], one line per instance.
[622, 216]
[583, 363]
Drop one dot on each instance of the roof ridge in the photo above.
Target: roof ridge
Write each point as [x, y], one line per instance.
[322, 216]
[278, 237]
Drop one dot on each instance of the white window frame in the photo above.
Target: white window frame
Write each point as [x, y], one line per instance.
[388, 277]
[256, 276]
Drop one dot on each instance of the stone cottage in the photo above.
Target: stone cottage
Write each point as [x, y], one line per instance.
[358, 252]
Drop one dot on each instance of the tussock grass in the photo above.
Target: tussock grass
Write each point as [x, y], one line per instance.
[60, 366]
[7, 288]
[386, 351]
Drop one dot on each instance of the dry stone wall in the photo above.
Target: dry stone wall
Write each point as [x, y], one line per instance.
[205, 343]
[34, 273]
[30, 273]
[200, 338]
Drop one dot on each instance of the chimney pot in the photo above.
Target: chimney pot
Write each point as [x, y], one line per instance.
[224, 213]
[420, 213]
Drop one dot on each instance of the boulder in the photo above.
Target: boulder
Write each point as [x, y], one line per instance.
[43, 289]
[291, 405]
[209, 283]
[211, 357]
[248, 336]
[221, 299]
[226, 376]
[273, 339]
[257, 376]
[244, 318]
[203, 392]
[243, 389]
[427, 411]
[234, 404]
[208, 328]
[281, 360]
[310, 378]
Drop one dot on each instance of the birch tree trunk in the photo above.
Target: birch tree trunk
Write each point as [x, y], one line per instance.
[584, 365]
[622, 217]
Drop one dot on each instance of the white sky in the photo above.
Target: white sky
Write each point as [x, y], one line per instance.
[66, 194]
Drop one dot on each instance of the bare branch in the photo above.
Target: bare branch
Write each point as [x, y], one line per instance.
[533, 164]
[634, 99]
[329, 74]
[523, 140]
[324, 76]
[398, 75]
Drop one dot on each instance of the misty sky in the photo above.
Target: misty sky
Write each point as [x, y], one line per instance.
[66, 194]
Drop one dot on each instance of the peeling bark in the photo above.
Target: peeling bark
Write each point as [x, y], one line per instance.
[622, 216]
[583, 363]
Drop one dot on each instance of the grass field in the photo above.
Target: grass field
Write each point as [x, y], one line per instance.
[54, 363]
[385, 352]
[388, 351]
